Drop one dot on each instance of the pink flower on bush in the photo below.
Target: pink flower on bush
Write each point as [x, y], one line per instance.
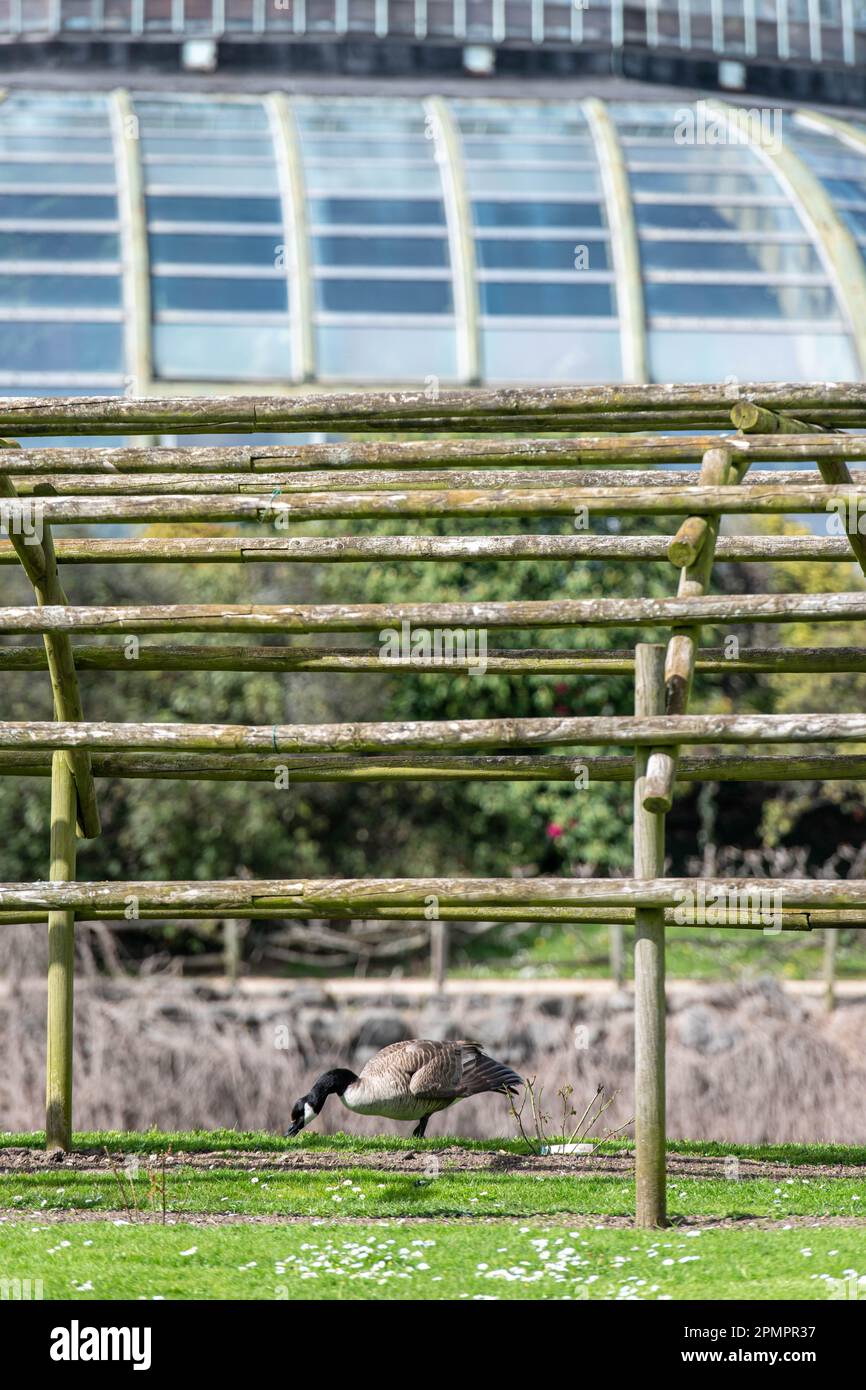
[554, 831]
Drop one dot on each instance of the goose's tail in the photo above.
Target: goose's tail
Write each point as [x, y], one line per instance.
[483, 1073]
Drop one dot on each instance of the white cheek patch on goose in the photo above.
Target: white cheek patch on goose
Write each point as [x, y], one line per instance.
[309, 1113]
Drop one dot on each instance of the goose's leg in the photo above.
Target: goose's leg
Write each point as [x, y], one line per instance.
[418, 1131]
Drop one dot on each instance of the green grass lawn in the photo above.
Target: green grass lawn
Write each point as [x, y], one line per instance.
[549, 951]
[428, 1261]
[248, 1141]
[475, 1234]
[362, 1192]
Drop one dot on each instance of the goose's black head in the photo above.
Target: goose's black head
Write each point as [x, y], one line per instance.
[330, 1083]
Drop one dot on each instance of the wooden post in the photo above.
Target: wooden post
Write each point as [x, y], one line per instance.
[649, 966]
[830, 939]
[61, 962]
[234, 931]
[616, 948]
[438, 954]
[40, 565]
[695, 543]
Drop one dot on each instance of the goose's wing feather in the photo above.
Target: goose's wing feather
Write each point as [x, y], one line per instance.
[399, 1062]
[461, 1069]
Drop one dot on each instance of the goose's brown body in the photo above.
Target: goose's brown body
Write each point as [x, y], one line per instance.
[413, 1079]
[408, 1081]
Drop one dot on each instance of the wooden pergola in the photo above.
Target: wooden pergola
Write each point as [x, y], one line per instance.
[591, 451]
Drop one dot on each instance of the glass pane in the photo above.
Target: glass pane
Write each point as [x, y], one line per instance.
[750, 356]
[528, 181]
[379, 211]
[61, 347]
[252, 178]
[536, 214]
[547, 356]
[217, 145]
[318, 148]
[543, 297]
[78, 206]
[61, 118]
[53, 144]
[206, 351]
[218, 295]
[668, 152]
[386, 354]
[771, 257]
[195, 248]
[371, 176]
[380, 250]
[42, 172]
[100, 291]
[849, 189]
[361, 117]
[385, 296]
[59, 246]
[692, 181]
[494, 253]
[727, 218]
[206, 117]
[166, 208]
[835, 164]
[492, 148]
[743, 301]
[324, 118]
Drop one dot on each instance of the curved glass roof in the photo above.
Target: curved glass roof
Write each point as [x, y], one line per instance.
[167, 243]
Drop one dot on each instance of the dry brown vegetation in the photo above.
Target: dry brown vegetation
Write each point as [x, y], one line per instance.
[746, 1063]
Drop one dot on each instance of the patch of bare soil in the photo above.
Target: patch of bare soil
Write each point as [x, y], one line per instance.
[454, 1159]
[565, 1218]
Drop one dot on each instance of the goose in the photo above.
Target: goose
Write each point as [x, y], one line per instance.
[408, 1081]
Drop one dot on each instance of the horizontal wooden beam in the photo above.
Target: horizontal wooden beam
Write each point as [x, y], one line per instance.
[389, 617]
[519, 660]
[360, 549]
[372, 737]
[789, 921]
[585, 451]
[574, 501]
[277, 485]
[527, 661]
[504, 409]
[264, 767]
[698, 896]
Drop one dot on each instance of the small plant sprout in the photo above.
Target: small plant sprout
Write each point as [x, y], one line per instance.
[537, 1136]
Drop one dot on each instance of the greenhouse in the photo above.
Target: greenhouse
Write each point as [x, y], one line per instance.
[391, 240]
[816, 30]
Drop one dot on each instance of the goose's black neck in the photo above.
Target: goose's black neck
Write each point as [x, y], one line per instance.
[331, 1083]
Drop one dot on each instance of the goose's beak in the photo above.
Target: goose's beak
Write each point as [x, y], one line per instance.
[294, 1129]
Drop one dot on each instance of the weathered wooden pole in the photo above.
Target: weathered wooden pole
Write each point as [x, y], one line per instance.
[830, 942]
[61, 961]
[40, 565]
[750, 418]
[616, 951]
[694, 547]
[649, 966]
[438, 954]
[234, 931]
